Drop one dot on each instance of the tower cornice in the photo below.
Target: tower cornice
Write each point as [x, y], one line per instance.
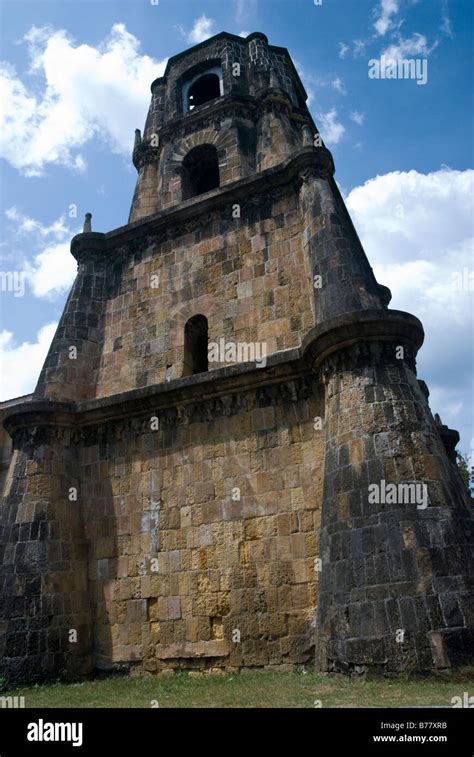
[242, 105]
[359, 327]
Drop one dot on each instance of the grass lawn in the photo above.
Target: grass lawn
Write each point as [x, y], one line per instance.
[250, 689]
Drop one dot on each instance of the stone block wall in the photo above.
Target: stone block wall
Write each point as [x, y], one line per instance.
[247, 276]
[344, 280]
[45, 628]
[397, 572]
[70, 371]
[203, 534]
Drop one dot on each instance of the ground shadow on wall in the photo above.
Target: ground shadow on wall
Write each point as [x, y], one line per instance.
[44, 604]
[102, 543]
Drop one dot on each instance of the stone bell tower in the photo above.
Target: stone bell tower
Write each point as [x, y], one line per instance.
[228, 460]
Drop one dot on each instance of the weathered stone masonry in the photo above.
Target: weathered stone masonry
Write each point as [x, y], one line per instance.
[222, 519]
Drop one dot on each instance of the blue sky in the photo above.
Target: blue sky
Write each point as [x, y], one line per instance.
[74, 83]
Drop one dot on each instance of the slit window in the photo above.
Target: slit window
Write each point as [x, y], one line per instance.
[195, 345]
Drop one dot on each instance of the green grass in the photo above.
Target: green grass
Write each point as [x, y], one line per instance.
[250, 689]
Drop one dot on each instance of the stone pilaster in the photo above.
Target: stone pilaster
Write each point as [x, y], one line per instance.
[275, 139]
[44, 610]
[70, 368]
[343, 278]
[146, 198]
[396, 565]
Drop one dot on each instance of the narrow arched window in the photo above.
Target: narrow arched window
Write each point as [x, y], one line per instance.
[195, 345]
[200, 171]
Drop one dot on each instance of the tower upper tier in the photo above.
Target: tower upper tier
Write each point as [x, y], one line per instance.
[224, 110]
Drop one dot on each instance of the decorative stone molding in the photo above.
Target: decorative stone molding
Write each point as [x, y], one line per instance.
[144, 154]
[89, 246]
[223, 390]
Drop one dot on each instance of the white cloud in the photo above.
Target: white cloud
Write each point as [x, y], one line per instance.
[202, 29]
[359, 48]
[26, 225]
[415, 45]
[386, 11]
[21, 363]
[343, 50]
[446, 27]
[52, 269]
[244, 34]
[331, 129]
[243, 9]
[338, 85]
[75, 93]
[357, 117]
[423, 212]
[417, 232]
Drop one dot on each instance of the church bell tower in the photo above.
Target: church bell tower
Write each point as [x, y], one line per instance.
[229, 460]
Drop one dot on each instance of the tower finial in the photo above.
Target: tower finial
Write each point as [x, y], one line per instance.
[87, 224]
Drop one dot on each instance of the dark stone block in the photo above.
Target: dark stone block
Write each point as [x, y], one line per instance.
[356, 543]
[393, 614]
[438, 561]
[369, 651]
[370, 575]
[368, 619]
[397, 572]
[355, 619]
[381, 568]
[355, 505]
[459, 646]
[368, 540]
[466, 605]
[381, 620]
[409, 564]
[434, 611]
[452, 614]
[421, 612]
[407, 609]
